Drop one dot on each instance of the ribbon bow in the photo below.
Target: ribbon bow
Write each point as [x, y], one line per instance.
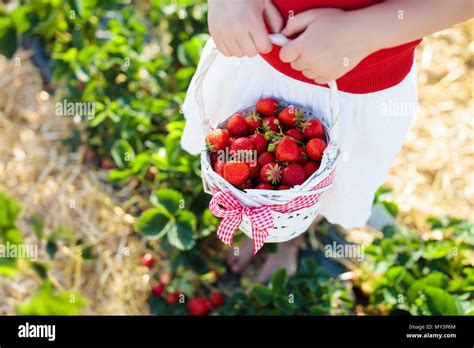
[224, 205]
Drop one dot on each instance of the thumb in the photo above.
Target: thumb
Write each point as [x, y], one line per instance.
[299, 23]
[273, 17]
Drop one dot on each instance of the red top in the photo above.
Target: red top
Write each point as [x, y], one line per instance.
[380, 70]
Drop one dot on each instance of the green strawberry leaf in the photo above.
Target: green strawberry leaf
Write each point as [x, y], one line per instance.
[153, 223]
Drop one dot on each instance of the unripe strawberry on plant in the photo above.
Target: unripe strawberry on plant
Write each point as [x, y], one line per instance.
[165, 278]
[253, 122]
[293, 175]
[290, 116]
[151, 173]
[287, 150]
[148, 260]
[158, 289]
[217, 139]
[198, 306]
[106, 163]
[267, 106]
[313, 129]
[270, 173]
[315, 149]
[259, 142]
[237, 126]
[236, 173]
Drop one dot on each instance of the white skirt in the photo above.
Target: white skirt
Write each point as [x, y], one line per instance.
[372, 126]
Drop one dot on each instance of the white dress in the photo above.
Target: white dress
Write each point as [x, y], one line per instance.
[372, 126]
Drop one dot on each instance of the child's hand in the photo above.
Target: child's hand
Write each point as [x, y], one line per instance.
[238, 27]
[328, 46]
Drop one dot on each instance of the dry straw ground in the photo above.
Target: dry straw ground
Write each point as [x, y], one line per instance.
[434, 174]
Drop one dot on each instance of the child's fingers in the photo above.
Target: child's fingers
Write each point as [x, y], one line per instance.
[223, 49]
[273, 17]
[298, 64]
[260, 38]
[299, 23]
[234, 47]
[247, 45]
[290, 52]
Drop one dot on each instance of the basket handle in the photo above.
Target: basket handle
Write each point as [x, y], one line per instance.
[280, 40]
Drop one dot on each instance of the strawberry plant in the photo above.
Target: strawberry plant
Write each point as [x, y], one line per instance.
[46, 300]
[405, 273]
[309, 292]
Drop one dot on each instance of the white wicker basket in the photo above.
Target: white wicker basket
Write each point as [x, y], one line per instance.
[286, 225]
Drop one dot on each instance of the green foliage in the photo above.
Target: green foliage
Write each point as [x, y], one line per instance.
[109, 58]
[9, 233]
[48, 301]
[309, 292]
[409, 274]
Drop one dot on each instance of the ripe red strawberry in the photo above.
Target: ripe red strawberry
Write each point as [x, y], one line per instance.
[254, 170]
[310, 168]
[217, 139]
[236, 173]
[295, 134]
[263, 186]
[313, 129]
[158, 289]
[232, 140]
[302, 156]
[106, 163]
[315, 148]
[287, 150]
[253, 122]
[219, 167]
[290, 116]
[283, 187]
[264, 158]
[267, 106]
[249, 185]
[270, 173]
[148, 260]
[172, 297]
[237, 125]
[293, 175]
[165, 278]
[243, 145]
[198, 306]
[213, 156]
[271, 124]
[259, 142]
[217, 299]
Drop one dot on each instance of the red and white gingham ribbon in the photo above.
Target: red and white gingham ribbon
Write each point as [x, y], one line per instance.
[224, 205]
